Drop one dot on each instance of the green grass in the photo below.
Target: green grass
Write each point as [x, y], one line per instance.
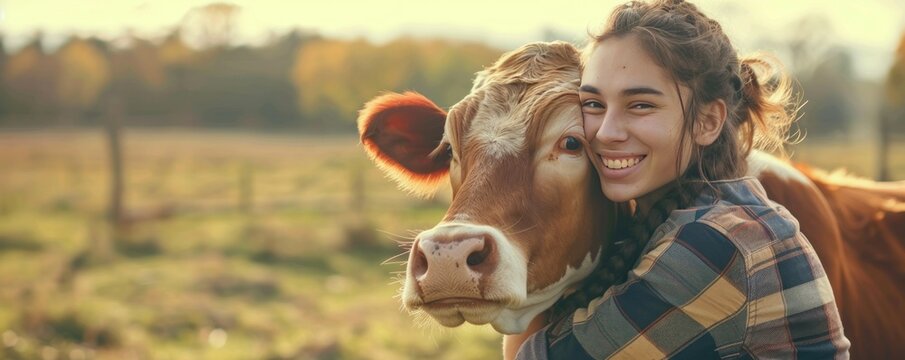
[295, 274]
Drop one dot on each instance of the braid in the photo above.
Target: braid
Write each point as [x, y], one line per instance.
[623, 254]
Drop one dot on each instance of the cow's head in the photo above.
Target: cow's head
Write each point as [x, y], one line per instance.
[527, 217]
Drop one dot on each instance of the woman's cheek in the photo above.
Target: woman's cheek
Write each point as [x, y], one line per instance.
[591, 125]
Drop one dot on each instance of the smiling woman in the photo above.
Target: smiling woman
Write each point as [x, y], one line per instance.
[641, 102]
[710, 267]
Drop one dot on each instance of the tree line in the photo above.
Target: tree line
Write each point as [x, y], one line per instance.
[296, 80]
[302, 80]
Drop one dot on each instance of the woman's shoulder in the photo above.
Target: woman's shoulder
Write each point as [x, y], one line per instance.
[743, 214]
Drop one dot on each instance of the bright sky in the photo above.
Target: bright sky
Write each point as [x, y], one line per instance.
[870, 29]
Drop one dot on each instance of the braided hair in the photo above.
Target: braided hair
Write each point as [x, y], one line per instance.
[623, 254]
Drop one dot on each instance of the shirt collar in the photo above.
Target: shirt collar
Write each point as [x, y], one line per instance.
[742, 191]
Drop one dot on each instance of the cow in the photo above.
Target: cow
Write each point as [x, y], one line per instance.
[528, 222]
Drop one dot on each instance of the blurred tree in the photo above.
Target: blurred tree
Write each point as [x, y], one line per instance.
[139, 78]
[211, 26]
[825, 74]
[324, 80]
[892, 114]
[334, 78]
[450, 67]
[29, 78]
[826, 88]
[895, 89]
[84, 73]
[297, 79]
[178, 61]
[173, 51]
[243, 87]
[3, 96]
[247, 86]
[809, 38]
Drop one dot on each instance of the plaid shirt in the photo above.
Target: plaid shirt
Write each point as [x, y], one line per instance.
[726, 278]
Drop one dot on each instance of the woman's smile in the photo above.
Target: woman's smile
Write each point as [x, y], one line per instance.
[615, 167]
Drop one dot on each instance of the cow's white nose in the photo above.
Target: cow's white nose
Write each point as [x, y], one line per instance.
[446, 262]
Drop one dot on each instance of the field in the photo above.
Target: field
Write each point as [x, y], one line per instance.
[235, 246]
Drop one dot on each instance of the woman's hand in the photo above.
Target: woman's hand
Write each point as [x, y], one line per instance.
[511, 343]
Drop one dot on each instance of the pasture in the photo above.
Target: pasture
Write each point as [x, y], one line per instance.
[236, 246]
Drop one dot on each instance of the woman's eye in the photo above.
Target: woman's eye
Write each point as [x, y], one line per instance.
[594, 104]
[570, 143]
[642, 106]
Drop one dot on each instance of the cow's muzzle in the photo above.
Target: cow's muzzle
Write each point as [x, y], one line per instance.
[463, 272]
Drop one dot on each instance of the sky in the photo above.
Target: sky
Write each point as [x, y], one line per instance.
[869, 29]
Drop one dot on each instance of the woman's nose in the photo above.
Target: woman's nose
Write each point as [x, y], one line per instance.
[612, 129]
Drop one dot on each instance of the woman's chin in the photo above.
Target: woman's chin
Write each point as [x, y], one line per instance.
[617, 192]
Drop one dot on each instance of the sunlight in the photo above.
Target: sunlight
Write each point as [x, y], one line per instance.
[868, 28]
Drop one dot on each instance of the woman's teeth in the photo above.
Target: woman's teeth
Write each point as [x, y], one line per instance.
[621, 163]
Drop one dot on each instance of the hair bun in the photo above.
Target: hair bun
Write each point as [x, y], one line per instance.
[750, 87]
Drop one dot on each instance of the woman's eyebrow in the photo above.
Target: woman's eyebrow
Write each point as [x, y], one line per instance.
[627, 92]
[641, 91]
[589, 89]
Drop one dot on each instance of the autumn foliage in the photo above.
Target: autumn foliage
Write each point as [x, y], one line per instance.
[296, 80]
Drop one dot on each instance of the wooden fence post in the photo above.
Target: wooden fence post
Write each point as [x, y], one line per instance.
[114, 142]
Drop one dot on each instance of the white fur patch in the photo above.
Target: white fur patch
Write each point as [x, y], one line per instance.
[514, 320]
[759, 161]
[498, 135]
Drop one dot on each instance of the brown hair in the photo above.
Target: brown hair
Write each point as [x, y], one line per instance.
[697, 53]
[694, 49]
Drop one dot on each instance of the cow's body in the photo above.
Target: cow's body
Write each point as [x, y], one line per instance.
[857, 228]
[528, 219]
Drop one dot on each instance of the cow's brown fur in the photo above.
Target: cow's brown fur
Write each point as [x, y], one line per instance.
[857, 228]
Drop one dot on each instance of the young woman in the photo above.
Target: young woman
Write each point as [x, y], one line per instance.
[710, 267]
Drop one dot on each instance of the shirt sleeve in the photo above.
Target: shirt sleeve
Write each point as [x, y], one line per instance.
[680, 290]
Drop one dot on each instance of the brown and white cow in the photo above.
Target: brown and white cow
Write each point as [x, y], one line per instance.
[528, 220]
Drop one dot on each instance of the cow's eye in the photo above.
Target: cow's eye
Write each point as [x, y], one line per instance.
[449, 152]
[570, 143]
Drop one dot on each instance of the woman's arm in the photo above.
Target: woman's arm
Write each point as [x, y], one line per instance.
[511, 343]
[680, 290]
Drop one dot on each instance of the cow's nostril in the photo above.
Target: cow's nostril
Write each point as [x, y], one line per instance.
[419, 261]
[477, 258]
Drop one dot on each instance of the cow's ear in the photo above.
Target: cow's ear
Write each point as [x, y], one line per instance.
[401, 133]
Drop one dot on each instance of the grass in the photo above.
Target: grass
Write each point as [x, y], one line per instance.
[245, 247]
[293, 273]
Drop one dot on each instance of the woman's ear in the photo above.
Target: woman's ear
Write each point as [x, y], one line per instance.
[710, 122]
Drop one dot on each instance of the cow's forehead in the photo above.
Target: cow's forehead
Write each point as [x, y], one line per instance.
[502, 121]
[499, 127]
[500, 116]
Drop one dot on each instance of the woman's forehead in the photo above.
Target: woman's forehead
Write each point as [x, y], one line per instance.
[619, 63]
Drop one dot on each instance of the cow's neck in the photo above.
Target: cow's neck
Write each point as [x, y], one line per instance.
[603, 223]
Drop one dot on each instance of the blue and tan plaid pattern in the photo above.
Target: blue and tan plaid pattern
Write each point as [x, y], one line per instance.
[726, 278]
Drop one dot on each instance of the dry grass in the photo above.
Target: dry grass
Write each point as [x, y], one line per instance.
[284, 277]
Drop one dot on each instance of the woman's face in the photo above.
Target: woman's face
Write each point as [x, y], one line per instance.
[632, 119]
